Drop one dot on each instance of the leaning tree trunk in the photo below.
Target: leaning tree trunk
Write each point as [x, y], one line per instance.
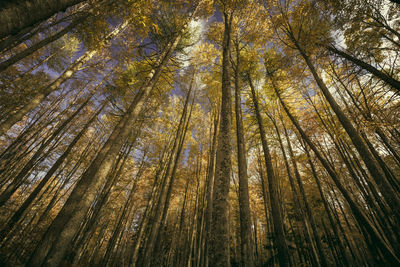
[20, 178]
[32, 49]
[165, 194]
[307, 207]
[364, 65]
[376, 173]
[18, 15]
[27, 203]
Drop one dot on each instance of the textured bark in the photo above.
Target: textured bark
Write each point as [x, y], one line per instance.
[219, 246]
[144, 224]
[246, 243]
[18, 15]
[342, 249]
[58, 237]
[277, 218]
[209, 188]
[298, 207]
[125, 212]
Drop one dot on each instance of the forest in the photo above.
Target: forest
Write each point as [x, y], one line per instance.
[199, 133]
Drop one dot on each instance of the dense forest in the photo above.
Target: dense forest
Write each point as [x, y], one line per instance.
[199, 133]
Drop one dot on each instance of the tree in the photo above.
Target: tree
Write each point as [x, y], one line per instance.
[13, 19]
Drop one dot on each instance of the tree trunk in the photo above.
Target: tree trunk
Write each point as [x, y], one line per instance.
[23, 208]
[371, 69]
[32, 49]
[246, 242]
[165, 194]
[358, 213]
[209, 188]
[22, 174]
[277, 217]
[308, 210]
[14, 18]
[219, 252]
[376, 173]
[297, 204]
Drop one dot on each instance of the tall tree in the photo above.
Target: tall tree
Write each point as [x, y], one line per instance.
[219, 248]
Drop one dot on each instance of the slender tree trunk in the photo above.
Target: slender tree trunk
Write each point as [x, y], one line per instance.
[165, 194]
[14, 18]
[246, 243]
[20, 177]
[126, 210]
[379, 177]
[209, 188]
[23, 208]
[32, 49]
[277, 216]
[324, 201]
[297, 204]
[374, 71]
[308, 210]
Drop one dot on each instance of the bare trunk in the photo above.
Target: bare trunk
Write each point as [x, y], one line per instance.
[14, 18]
[32, 49]
[358, 213]
[277, 217]
[219, 246]
[246, 243]
[374, 71]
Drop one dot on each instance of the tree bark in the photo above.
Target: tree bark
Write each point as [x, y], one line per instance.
[23, 208]
[22, 174]
[376, 173]
[358, 213]
[18, 15]
[32, 49]
[219, 252]
[246, 243]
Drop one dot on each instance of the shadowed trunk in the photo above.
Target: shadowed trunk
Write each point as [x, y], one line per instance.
[14, 14]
